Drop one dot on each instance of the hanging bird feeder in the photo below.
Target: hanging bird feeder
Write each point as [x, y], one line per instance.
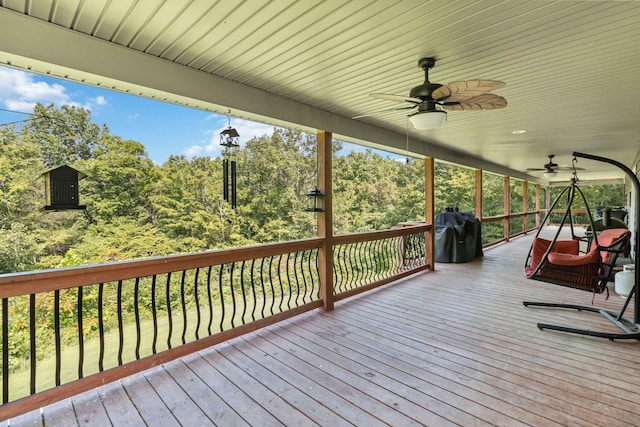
[61, 189]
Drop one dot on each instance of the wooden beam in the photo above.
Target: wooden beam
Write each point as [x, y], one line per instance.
[506, 206]
[537, 205]
[478, 182]
[325, 219]
[525, 204]
[429, 197]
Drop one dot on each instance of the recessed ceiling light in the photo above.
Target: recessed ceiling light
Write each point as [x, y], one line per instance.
[519, 131]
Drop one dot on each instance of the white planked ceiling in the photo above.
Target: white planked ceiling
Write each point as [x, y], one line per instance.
[571, 67]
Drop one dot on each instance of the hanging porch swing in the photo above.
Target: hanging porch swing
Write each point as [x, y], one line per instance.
[560, 262]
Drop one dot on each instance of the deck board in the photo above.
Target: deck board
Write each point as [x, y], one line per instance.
[450, 347]
[120, 408]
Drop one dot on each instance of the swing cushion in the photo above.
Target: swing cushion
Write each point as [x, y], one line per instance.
[611, 237]
[541, 245]
[572, 269]
[573, 260]
[565, 266]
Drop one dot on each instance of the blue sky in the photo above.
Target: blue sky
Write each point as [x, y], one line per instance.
[162, 128]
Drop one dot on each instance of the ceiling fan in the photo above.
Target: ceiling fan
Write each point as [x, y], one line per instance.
[430, 100]
[552, 168]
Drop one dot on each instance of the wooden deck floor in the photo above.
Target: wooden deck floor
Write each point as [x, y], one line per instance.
[450, 347]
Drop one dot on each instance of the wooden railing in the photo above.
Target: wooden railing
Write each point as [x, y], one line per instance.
[510, 225]
[70, 330]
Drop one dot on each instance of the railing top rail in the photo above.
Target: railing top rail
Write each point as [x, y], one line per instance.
[24, 283]
[508, 216]
[382, 234]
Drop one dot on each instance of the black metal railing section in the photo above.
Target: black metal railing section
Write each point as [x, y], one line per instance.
[57, 333]
[367, 258]
[68, 330]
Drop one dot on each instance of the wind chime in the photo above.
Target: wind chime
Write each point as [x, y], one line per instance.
[230, 139]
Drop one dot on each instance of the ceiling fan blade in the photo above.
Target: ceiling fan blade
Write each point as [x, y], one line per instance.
[383, 111]
[555, 168]
[464, 90]
[396, 98]
[485, 101]
[567, 168]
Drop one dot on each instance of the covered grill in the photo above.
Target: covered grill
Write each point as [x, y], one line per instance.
[458, 237]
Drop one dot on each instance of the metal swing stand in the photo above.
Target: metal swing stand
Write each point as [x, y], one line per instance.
[630, 327]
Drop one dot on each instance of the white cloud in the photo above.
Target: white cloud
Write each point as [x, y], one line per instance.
[20, 92]
[193, 151]
[99, 100]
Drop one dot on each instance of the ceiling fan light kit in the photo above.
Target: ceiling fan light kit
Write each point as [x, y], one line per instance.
[424, 120]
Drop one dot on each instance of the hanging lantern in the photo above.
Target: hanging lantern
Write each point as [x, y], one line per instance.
[61, 188]
[316, 200]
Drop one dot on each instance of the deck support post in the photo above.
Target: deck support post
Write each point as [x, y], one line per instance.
[325, 218]
[429, 198]
[506, 206]
[525, 205]
[537, 205]
[478, 196]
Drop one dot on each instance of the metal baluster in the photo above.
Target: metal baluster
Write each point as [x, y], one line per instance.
[264, 291]
[154, 315]
[273, 289]
[32, 339]
[253, 292]
[210, 299]
[338, 267]
[169, 317]
[351, 273]
[80, 335]
[56, 327]
[183, 305]
[120, 324]
[244, 296]
[379, 269]
[302, 256]
[197, 301]
[296, 255]
[280, 282]
[288, 256]
[136, 313]
[223, 311]
[233, 295]
[101, 326]
[316, 279]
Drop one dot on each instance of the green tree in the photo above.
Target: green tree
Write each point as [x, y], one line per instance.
[20, 168]
[119, 176]
[65, 135]
[19, 248]
[187, 205]
[274, 174]
[454, 187]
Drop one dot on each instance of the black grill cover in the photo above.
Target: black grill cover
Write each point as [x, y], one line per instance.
[458, 237]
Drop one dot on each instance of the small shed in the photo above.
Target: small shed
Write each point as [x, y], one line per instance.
[61, 188]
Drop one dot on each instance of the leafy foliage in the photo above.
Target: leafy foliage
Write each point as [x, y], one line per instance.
[138, 209]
